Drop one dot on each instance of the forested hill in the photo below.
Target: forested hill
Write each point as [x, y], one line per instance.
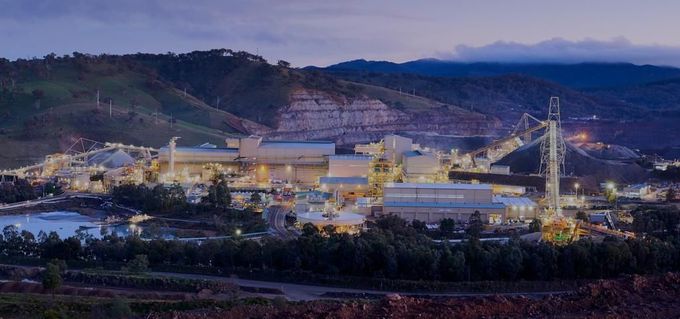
[46, 103]
[505, 96]
[578, 76]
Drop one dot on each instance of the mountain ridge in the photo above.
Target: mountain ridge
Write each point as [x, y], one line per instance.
[576, 75]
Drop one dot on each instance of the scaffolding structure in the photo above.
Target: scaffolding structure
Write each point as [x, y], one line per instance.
[381, 170]
[555, 227]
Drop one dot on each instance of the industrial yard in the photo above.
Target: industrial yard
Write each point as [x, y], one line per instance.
[306, 182]
[339, 159]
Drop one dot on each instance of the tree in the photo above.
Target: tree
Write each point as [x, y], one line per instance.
[38, 94]
[475, 225]
[138, 265]
[447, 225]
[535, 225]
[256, 198]
[419, 226]
[283, 64]
[581, 215]
[118, 309]
[219, 195]
[52, 280]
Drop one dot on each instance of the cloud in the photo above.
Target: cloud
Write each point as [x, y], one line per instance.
[559, 50]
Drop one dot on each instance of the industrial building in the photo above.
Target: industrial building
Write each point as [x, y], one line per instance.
[285, 161]
[433, 202]
[420, 166]
[350, 165]
[347, 187]
[518, 208]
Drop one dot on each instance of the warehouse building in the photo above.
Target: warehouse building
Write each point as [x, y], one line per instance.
[348, 187]
[291, 161]
[420, 166]
[348, 165]
[518, 208]
[433, 202]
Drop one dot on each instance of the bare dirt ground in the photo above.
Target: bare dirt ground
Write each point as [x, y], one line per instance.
[629, 297]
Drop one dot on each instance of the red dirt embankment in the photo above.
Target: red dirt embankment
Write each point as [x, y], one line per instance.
[630, 297]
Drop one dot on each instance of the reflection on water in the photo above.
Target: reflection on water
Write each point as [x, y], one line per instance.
[65, 224]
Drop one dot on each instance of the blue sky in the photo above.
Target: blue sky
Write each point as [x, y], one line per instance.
[309, 32]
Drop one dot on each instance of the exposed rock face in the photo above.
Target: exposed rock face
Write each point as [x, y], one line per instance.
[317, 115]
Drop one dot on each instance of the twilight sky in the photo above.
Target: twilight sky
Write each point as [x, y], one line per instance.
[322, 32]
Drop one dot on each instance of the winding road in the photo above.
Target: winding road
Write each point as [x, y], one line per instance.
[276, 217]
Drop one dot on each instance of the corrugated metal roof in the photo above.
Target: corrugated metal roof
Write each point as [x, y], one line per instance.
[444, 205]
[191, 149]
[439, 186]
[416, 153]
[352, 157]
[343, 180]
[303, 144]
[514, 201]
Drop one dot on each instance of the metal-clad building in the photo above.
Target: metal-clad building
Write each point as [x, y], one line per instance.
[292, 161]
[433, 202]
[348, 165]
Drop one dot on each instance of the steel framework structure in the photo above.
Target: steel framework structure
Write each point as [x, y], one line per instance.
[552, 157]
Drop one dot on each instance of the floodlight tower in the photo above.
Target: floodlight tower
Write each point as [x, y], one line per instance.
[552, 158]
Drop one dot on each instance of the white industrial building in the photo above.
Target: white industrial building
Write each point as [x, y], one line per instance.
[396, 146]
[433, 202]
[349, 165]
[295, 162]
[518, 208]
[348, 187]
[419, 166]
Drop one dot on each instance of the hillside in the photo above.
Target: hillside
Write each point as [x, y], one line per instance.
[207, 95]
[581, 75]
[660, 96]
[506, 96]
[47, 103]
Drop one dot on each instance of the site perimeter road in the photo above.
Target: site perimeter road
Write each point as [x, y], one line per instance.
[304, 292]
[276, 217]
[300, 292]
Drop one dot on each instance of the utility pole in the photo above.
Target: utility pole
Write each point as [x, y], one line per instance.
[110, 107]
[185, 92]
[97, 98]
[218, 102]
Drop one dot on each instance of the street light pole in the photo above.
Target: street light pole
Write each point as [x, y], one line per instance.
[576, 187]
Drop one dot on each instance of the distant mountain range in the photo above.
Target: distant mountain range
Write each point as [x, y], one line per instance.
[578, 76]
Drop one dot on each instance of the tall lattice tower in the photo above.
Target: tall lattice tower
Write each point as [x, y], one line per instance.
[552, 158]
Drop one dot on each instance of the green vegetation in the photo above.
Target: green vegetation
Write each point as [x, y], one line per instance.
[159, 199]
[52, 280]
[19, 191]
[138, 265]
[500, 95]
[30, 306]
[214, 208]
[218, 194]
[391, 249]
[149, 282]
